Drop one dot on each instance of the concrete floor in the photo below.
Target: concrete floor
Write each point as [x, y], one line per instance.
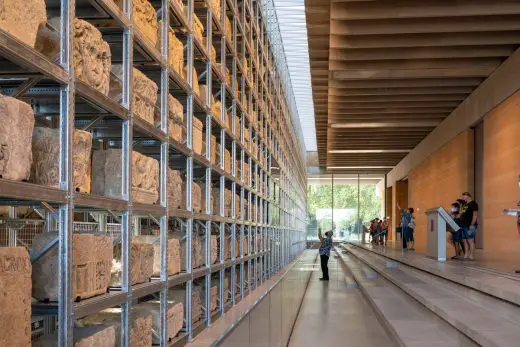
[334, 315]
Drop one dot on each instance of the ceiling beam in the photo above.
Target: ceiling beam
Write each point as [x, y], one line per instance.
[388, 26]
[469, 71]
[408, 83]
[426, 40]
[421, 9]
[347, 98]
[389, 104]
[394, 110]
[397, 91]
[410, 64]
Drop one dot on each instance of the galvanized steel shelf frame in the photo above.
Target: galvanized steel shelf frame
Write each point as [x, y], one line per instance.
[275, 223]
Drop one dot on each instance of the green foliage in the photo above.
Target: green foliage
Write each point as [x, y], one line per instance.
[320, 196]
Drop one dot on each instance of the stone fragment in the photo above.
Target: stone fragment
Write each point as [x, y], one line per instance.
[228, 30]
[92, 259]
[215, 6]
[197, 255]
[203, 198]
[176, 127]
[46, 152]
[227, 160]
[198, 250]
[17, 124]
[98, 335]
[106, 176]
[198, 29]
[227, 202]
[145, 18]
[140, 334]
[175, 49]
[174, 317]
[196, 198]
[179, 4]
[175, 188]
[173, 257]
[178, 294]
[214, 249]
[197, 136]
[22, 19]
[15, 297]
[144, 93]
[196, 88]
[238, 207]
[141, 264]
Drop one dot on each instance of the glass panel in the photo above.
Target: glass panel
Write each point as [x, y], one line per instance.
[319, 191]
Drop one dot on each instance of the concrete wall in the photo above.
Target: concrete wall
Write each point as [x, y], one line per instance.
[500, 183]
[440, 179]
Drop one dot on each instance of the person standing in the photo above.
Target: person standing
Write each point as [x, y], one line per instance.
[326, 245]
[456, 235]
[408, 226]
[385, 225]
[469, 224]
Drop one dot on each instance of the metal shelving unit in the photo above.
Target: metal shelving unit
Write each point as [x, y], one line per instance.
[266, 172]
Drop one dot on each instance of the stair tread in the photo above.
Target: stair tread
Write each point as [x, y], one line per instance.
[487, 320]
[412, 324]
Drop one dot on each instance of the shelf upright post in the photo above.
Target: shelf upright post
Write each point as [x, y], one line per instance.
[232, 285]
[207, 191]
[165, 164]
[66, 131]
[222, 235]
[189, 172]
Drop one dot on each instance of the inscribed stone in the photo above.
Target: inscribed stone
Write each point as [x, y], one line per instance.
[17, 120]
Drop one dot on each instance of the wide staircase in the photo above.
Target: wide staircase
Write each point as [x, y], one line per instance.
[422, 302]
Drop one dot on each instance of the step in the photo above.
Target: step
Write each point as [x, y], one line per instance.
[485, 319]
[492, 282]
[409, 323]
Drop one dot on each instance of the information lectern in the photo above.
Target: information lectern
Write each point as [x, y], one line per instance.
[438, 218]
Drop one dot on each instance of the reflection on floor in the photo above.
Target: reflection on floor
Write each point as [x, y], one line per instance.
[336, 314]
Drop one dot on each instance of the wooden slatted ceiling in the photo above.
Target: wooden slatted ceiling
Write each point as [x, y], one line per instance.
[385, 72]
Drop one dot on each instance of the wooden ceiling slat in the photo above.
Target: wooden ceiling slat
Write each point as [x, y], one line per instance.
[408, 83]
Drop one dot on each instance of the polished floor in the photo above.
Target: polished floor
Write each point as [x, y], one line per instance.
[335, 314]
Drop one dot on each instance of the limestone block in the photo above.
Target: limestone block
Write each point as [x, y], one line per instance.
[174, 317]
[179, 4]
[216, 109]
[196, 88]
[15, 297]
[141, 265]
[46, 152]
[246, 173]
[178, 294]
[227, 160]
[213, 153]
[214, 298]
[140, 325]
[92, 259]
[197, 136]
[198, 28]
[23, 18]
[228, 29]
[237, 206]
[175, 48]
[175, 188]
[213, 53]
[236, 129]
[215, 6]
[176, 128]
[196, 199]
[17, 124]
[197, 255]
[106, 175]
[203, 198]
[214, 249]
[145, 18]
[144, 92]
[99, 335]
[173, 256]
[92, 55]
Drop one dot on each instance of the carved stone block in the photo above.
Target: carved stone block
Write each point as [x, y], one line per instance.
[227, 160]
[142, 263]
[178, 294]
[196, 198]
[174, 317]
[46, 147]
[145, 18]
[17, 124]
[214, 249]
[144, 92]
[176, 128]
[213, 154]
[228, 29]
[106, 176]
[214, 298]
[197, 255]
[173, 256]
[198, 28]
[90, 267]
[175, 49]
[197, 136]
[238, 207]
[15, 297]
[140, 334]
[203, 198]
[175, 188]
[98, 335]
[23, 18]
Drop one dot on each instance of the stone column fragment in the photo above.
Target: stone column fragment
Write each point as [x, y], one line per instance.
[15, 297]
[46, 152]
[17, 124]
[92, 259]
[106, 176]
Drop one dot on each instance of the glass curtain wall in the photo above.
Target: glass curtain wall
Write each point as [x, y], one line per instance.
[344, 204]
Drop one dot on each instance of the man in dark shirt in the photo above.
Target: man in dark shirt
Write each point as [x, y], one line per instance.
[469, 224]
[326, 245]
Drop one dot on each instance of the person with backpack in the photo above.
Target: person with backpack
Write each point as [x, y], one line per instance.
[408, 226]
